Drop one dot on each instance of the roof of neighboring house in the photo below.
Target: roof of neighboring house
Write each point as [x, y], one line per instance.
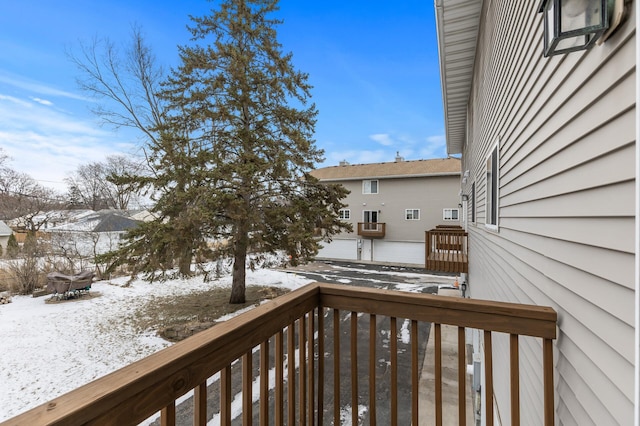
[457, 23]
[100, 221]
[396, 169]
[115, 223]
[5, 231]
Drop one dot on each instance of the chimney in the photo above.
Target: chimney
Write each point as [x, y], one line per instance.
[398, 158]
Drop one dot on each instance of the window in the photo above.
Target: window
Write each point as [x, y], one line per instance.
[450, 214]
[491, 218]
[472, 199]
[370, 216]
[412, 214]
[369, 186]
[344, 214]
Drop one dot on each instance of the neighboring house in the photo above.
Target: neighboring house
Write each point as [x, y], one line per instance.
[142, 215]
[5, 233]
[93, 233]
[548, 149]
[48, 219]
[391, 205]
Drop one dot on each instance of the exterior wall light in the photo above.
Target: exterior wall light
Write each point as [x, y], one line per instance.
[571, 25]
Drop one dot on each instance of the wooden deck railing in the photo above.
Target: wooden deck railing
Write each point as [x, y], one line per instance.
[303, 362]
[372, 229]
[447, 250]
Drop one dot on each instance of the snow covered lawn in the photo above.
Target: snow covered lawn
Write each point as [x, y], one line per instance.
[47, 350]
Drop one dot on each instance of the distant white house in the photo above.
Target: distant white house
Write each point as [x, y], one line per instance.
[95, 232]
[391, 205]
[49, 219]
[5, 233]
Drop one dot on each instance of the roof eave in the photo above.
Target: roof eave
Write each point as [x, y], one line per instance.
[417, 175]
[456, 55]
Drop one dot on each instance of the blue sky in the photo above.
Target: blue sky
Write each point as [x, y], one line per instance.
[373, 65]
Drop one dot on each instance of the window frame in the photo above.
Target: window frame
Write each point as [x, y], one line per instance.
[492, 189]
[451, 210]
[472, 200]
[344, 214]
[364, 186]
[406, 214]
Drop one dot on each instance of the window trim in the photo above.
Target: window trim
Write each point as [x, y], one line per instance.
[406, 214]
[444, 214]
[492, 194]
[364, 186]
[472, 200]
[344, 214]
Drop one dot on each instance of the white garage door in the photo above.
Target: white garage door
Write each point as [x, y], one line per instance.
[399, 252]
[339, 249]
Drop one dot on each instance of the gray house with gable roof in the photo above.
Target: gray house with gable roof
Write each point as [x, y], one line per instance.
[391, 205]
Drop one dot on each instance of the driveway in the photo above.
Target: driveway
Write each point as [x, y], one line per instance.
[387, 277]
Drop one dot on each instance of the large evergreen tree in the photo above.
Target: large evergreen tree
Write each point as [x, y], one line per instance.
[251, 129]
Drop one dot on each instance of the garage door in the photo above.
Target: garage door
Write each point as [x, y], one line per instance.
[339, 249]
[399, 252]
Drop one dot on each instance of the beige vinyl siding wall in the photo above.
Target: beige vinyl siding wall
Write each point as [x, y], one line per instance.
[566, 132]
[429, 194]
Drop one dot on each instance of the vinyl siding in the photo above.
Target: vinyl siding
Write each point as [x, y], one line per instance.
[566, 132]
[429, 194]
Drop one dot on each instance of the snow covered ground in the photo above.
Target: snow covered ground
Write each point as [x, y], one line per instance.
[47, 350]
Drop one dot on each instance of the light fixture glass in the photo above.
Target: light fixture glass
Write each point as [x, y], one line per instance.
[571, 25]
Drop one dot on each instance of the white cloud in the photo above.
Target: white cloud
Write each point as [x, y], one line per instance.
[37, 87]
[383, 139]
[359, 157]
[436, 140]
[42, 101]
[48, 144]
[16, 101]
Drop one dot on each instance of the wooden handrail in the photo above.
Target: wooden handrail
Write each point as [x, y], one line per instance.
[153, 384]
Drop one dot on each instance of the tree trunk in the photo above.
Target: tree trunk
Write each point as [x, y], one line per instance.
[184, 263]
[239, 267]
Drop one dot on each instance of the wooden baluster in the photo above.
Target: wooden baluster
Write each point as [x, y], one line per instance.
[321, 331]
[438, 371]
[394, 371]
[372, 370]
[488, 377]
[168, 415]
[354, 368]
[302, 357]
[264, 383]
[336, 367]
[279, 390]
[462, 378]
[291, 373]
[547, 366]
[200, 405]
[515, 379]
[225, 396]
[310, 369]
[247, 389]
[415, 373]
